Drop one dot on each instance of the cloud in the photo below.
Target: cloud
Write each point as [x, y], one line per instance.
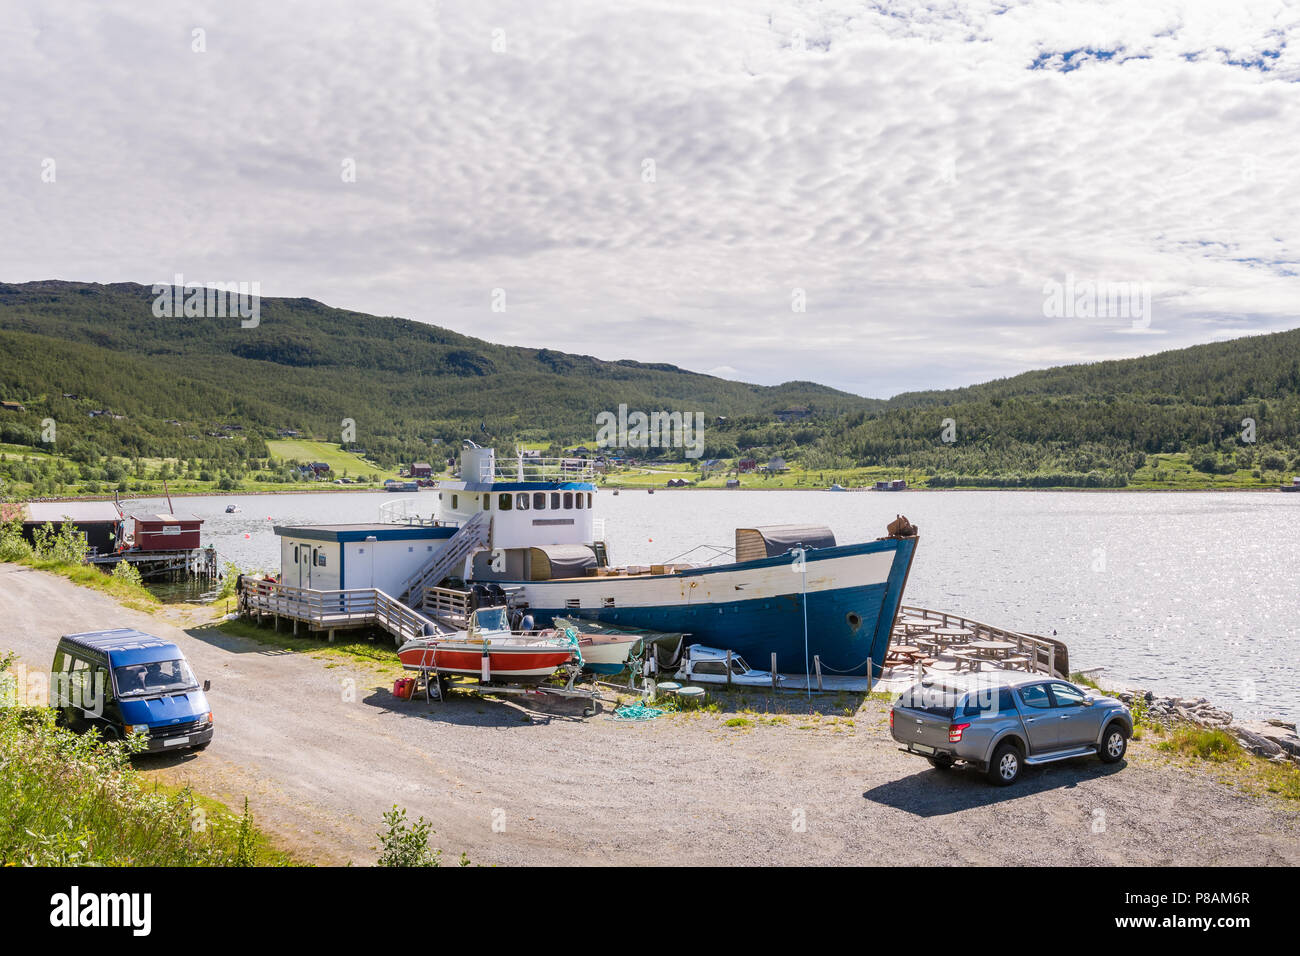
[663, 181]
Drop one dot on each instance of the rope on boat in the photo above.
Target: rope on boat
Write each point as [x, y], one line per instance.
[572, 635]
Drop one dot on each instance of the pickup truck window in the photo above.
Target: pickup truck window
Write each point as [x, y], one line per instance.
[936, 700]
[1035, 695]
[987, 703]
[1066, 696]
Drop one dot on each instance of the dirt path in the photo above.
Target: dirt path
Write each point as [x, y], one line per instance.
[320, 766]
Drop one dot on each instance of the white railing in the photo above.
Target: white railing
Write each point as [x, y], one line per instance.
[533, 469]
[327, 610]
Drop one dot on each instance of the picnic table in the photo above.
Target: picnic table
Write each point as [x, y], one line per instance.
[992, 650]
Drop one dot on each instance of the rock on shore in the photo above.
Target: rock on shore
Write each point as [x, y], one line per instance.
[1273, 739]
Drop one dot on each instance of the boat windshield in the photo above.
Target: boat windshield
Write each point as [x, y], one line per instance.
[159, 677]
[738, 665]
[492, 619]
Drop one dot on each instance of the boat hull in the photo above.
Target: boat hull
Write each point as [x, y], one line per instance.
[850, 594]
[514, 665]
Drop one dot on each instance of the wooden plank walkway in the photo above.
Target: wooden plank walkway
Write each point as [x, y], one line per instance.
[335, 610]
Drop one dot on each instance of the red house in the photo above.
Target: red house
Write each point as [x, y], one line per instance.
[167, 532]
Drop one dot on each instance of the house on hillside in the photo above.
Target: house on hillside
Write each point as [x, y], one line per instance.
[421, 469]
[320, 468]
[286, 433]
[776, 466]
[746, 465]
[794, 413]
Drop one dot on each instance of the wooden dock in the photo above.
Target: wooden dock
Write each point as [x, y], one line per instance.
[153, 565]
[330, 611]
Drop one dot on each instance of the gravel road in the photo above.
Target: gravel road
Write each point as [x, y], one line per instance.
[506, 786]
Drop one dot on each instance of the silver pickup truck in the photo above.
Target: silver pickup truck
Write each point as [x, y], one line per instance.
[1000, 722]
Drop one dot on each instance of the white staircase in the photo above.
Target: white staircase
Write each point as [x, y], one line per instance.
[472, 536]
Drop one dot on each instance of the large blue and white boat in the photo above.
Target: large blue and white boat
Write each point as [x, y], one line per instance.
[528, 528]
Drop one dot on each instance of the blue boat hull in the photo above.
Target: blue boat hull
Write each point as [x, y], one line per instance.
[848, 624]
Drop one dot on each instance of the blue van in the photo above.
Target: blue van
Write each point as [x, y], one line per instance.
[124, 681]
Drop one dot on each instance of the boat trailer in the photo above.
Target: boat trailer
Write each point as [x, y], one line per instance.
[435, 684]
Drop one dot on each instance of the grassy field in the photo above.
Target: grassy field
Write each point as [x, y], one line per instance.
[1168, 472]
[341, 462]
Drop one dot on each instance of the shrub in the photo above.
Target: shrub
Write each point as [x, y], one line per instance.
[407, 844]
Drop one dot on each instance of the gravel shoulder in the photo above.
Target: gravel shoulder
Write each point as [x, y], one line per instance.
[321, 749]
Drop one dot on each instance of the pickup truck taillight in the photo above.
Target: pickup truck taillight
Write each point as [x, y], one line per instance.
[954, 732]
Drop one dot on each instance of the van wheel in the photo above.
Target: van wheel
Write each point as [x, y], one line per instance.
[1004, 768]
[941, 761]
[1114, 744]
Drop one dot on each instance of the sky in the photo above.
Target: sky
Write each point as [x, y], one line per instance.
[878, 196]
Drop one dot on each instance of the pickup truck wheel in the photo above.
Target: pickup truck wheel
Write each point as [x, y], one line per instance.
[941, 761]
[1004, 768]
[1114, 744]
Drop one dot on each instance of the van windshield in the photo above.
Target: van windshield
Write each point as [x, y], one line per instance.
[160, 677]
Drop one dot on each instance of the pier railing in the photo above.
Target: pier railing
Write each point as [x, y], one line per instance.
[1045, 655]
[330, 610]
[447, 603]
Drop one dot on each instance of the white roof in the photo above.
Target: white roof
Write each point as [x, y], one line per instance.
[56, 512]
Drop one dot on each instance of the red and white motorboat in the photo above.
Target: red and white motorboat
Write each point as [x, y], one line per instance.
[490, 651]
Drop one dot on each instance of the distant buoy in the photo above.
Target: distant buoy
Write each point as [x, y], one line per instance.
[247, 535]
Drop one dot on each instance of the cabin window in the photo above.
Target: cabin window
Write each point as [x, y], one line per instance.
[506, 502]
[568, 500]
[555, 500]
[522, 503]
[577, 500]
[487, 502]
[296, 559]
[589, 499]
[455, 501]
[539, 500]
[716, 668]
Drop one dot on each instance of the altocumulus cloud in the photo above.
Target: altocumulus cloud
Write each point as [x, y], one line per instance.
[661, 180]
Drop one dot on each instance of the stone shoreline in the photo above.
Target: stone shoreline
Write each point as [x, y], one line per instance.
[1272, 739]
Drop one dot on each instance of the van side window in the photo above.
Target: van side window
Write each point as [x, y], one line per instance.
[79, 682]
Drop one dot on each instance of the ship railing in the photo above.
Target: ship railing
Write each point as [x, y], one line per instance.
[1045, 655]
[535, 469]
[330, 610]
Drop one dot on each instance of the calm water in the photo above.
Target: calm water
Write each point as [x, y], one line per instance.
[1196, 594]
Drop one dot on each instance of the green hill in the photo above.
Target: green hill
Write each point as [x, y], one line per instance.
[198, 399]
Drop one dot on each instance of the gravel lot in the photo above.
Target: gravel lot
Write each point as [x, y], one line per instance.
[510, 786]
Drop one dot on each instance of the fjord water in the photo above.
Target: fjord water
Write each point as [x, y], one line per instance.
[1185, 593]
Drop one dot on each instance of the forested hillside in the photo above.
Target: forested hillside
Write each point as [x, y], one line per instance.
[119, 382]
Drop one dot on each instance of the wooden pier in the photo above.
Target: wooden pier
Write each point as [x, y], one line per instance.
[330, 611]
[153, 565]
